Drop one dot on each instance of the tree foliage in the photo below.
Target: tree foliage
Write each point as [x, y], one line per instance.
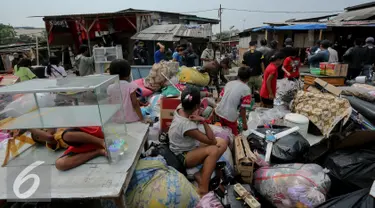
[7, 34]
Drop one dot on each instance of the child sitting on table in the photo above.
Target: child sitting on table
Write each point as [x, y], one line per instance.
[185, 138]
[49, 137]
[128, 92]
[235, 96]
[85, 143]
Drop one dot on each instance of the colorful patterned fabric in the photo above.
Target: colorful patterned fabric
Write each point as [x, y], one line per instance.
[324, 110]
[155, 185]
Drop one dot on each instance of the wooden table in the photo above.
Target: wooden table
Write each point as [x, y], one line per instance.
[97, 179]
[333, 80]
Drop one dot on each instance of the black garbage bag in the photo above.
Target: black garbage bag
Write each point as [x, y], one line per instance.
[293, 148]
[358, 199]
[350, 170]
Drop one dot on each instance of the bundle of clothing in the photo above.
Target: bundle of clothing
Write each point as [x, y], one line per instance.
[293, 185]
[155, 184]
[323, 109]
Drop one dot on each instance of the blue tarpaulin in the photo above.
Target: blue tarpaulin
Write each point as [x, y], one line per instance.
[293, 27]
[267, 27]
[302, 27]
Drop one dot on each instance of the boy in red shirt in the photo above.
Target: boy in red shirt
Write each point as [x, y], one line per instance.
[85, 143]
[268, 90]
[291, 65]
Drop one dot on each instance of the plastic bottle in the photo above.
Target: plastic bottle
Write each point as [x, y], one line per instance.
[114, 153]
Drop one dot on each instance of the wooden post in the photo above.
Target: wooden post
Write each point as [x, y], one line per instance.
[320, 34]
[266, 35]
[37, 50]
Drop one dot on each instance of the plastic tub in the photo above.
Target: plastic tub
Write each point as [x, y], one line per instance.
[315, 71]
[294, 119]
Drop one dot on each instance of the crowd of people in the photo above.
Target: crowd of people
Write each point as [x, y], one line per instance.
[268, 63]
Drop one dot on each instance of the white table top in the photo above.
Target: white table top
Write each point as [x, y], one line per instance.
[66, 116]
[96, 179]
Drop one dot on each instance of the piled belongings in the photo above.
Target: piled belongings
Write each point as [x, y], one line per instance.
[286, 90]
[209, 201]
[193, 76]
[288, 149]
[364, 108]
[154, 184]
[293, 185]
[362, 91]
[159, 75]
[360, 199]
[351, 169]
[261, 116]
[324, 110]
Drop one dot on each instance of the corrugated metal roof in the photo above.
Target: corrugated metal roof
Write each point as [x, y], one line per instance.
[195, 31]
[174, 32]
[125, 12]
[360, 14]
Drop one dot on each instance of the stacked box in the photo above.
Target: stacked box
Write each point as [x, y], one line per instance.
[336, 69]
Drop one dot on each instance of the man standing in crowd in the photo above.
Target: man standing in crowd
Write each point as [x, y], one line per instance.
[190, 56]
[369, 58]
[16, 59]
[263, 47]
[287, 51]
[321, 56]
[139, 54]
[270, 53]
[217, 71]
[315, 48]
[353, 56]
[159, 53]
[333, 55]
[208, 54]
[84, 64]
[254, 59]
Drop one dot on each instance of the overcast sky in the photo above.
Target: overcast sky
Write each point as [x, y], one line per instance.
[17, 12]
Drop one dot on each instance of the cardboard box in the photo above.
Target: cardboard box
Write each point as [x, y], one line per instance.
[336, 69]
[344, 70]
[327, 87]
[167, 108]
[244, 159]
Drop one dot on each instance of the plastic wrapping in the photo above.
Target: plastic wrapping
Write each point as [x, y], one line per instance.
[362, 93]
[264, 115]
[351, 170]
[193, 76]
[358, 199]
[209, 201]
[293, 185]
[286, 90]
[289, 149]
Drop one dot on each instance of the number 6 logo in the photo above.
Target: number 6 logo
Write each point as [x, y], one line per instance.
[23, 177]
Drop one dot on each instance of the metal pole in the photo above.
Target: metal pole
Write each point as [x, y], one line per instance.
[220, 11]
[37, 50]
[48, 49]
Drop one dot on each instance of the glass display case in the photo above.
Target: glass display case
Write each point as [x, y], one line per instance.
[67, 103]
